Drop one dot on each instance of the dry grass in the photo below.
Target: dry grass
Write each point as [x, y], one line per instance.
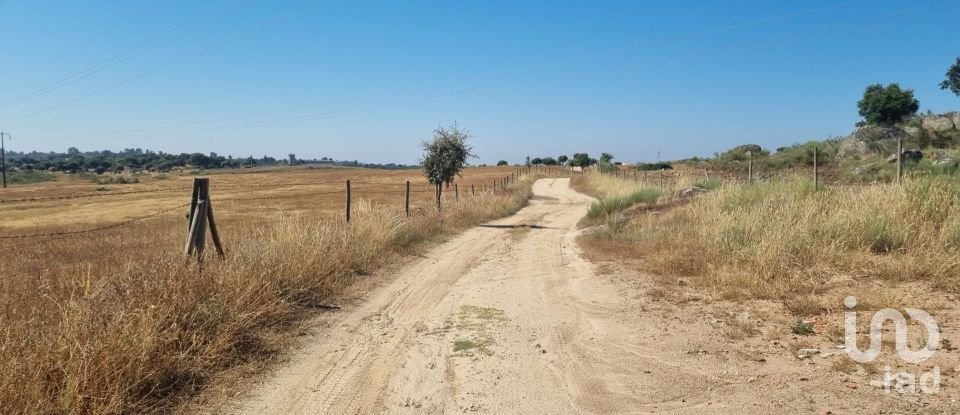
[786, 241]
[603, 186]
[119, 322]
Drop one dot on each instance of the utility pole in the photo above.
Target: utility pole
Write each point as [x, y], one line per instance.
[3, 158]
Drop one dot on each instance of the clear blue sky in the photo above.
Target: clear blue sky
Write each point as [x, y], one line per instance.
[369, 80]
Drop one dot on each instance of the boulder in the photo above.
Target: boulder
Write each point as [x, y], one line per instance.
[945, 162]
[871, 139]
[864, 169]
[690, 192]
[907, 155]
[913, 131]
[939, 124]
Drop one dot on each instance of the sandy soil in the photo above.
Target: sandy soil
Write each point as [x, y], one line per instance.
[508, 318]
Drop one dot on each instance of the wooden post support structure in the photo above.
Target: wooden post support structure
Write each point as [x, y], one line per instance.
[348, 201]
[750, 171]
[456, 192]
[406, 200]
[200, 217]
[816, 169]
[899, 161]
[661, 178]
[473, 192]
[706, 172]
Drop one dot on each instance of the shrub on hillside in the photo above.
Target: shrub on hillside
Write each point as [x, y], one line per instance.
[887, 105]
[660, 165]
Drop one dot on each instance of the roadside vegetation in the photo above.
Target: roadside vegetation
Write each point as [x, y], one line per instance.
[28, 177]
[785, 240]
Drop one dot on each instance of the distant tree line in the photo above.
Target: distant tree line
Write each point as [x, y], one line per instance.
[578, 160]
[136, 159]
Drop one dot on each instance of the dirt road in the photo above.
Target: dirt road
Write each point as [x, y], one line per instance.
[509, 319]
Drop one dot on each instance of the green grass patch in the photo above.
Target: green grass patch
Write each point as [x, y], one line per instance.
[711, 184]
[469, 347]
[608, 206]
[802, 328]
[29, 176]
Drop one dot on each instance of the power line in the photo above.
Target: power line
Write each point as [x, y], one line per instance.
[84, 196]
[213, 46]
[103, 228]
[127, 54]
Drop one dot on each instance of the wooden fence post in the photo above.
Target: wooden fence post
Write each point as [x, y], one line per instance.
[750, 171]
[661, 177]
[201, 215]
[348, 201]
[706, 172]
[473, 192]
[406, 200]
[816, 169]
[899, 161]
[456, 192]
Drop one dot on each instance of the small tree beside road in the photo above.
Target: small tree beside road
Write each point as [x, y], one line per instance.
[445, 156]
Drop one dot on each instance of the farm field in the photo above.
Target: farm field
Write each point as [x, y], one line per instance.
[71, 203]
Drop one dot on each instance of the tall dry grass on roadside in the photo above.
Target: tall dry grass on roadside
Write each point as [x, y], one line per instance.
[121, 322]
[602, 186]
[615, 194]
[786, 240]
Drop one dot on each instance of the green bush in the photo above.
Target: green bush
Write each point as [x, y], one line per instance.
[660, 165]
[887, 105]
[711, 184]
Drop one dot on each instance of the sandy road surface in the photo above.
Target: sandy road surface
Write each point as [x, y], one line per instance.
[511, 320]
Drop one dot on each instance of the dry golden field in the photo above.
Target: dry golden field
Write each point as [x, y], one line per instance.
[119, 321]
[249, 194]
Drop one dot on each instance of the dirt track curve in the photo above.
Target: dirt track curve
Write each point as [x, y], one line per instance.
[507, 318]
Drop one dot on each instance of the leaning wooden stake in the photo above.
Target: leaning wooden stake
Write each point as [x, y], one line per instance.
[201, 215]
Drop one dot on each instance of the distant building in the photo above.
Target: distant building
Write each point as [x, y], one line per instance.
[293, 159]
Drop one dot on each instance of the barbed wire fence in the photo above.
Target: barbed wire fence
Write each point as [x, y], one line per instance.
[496, 185]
